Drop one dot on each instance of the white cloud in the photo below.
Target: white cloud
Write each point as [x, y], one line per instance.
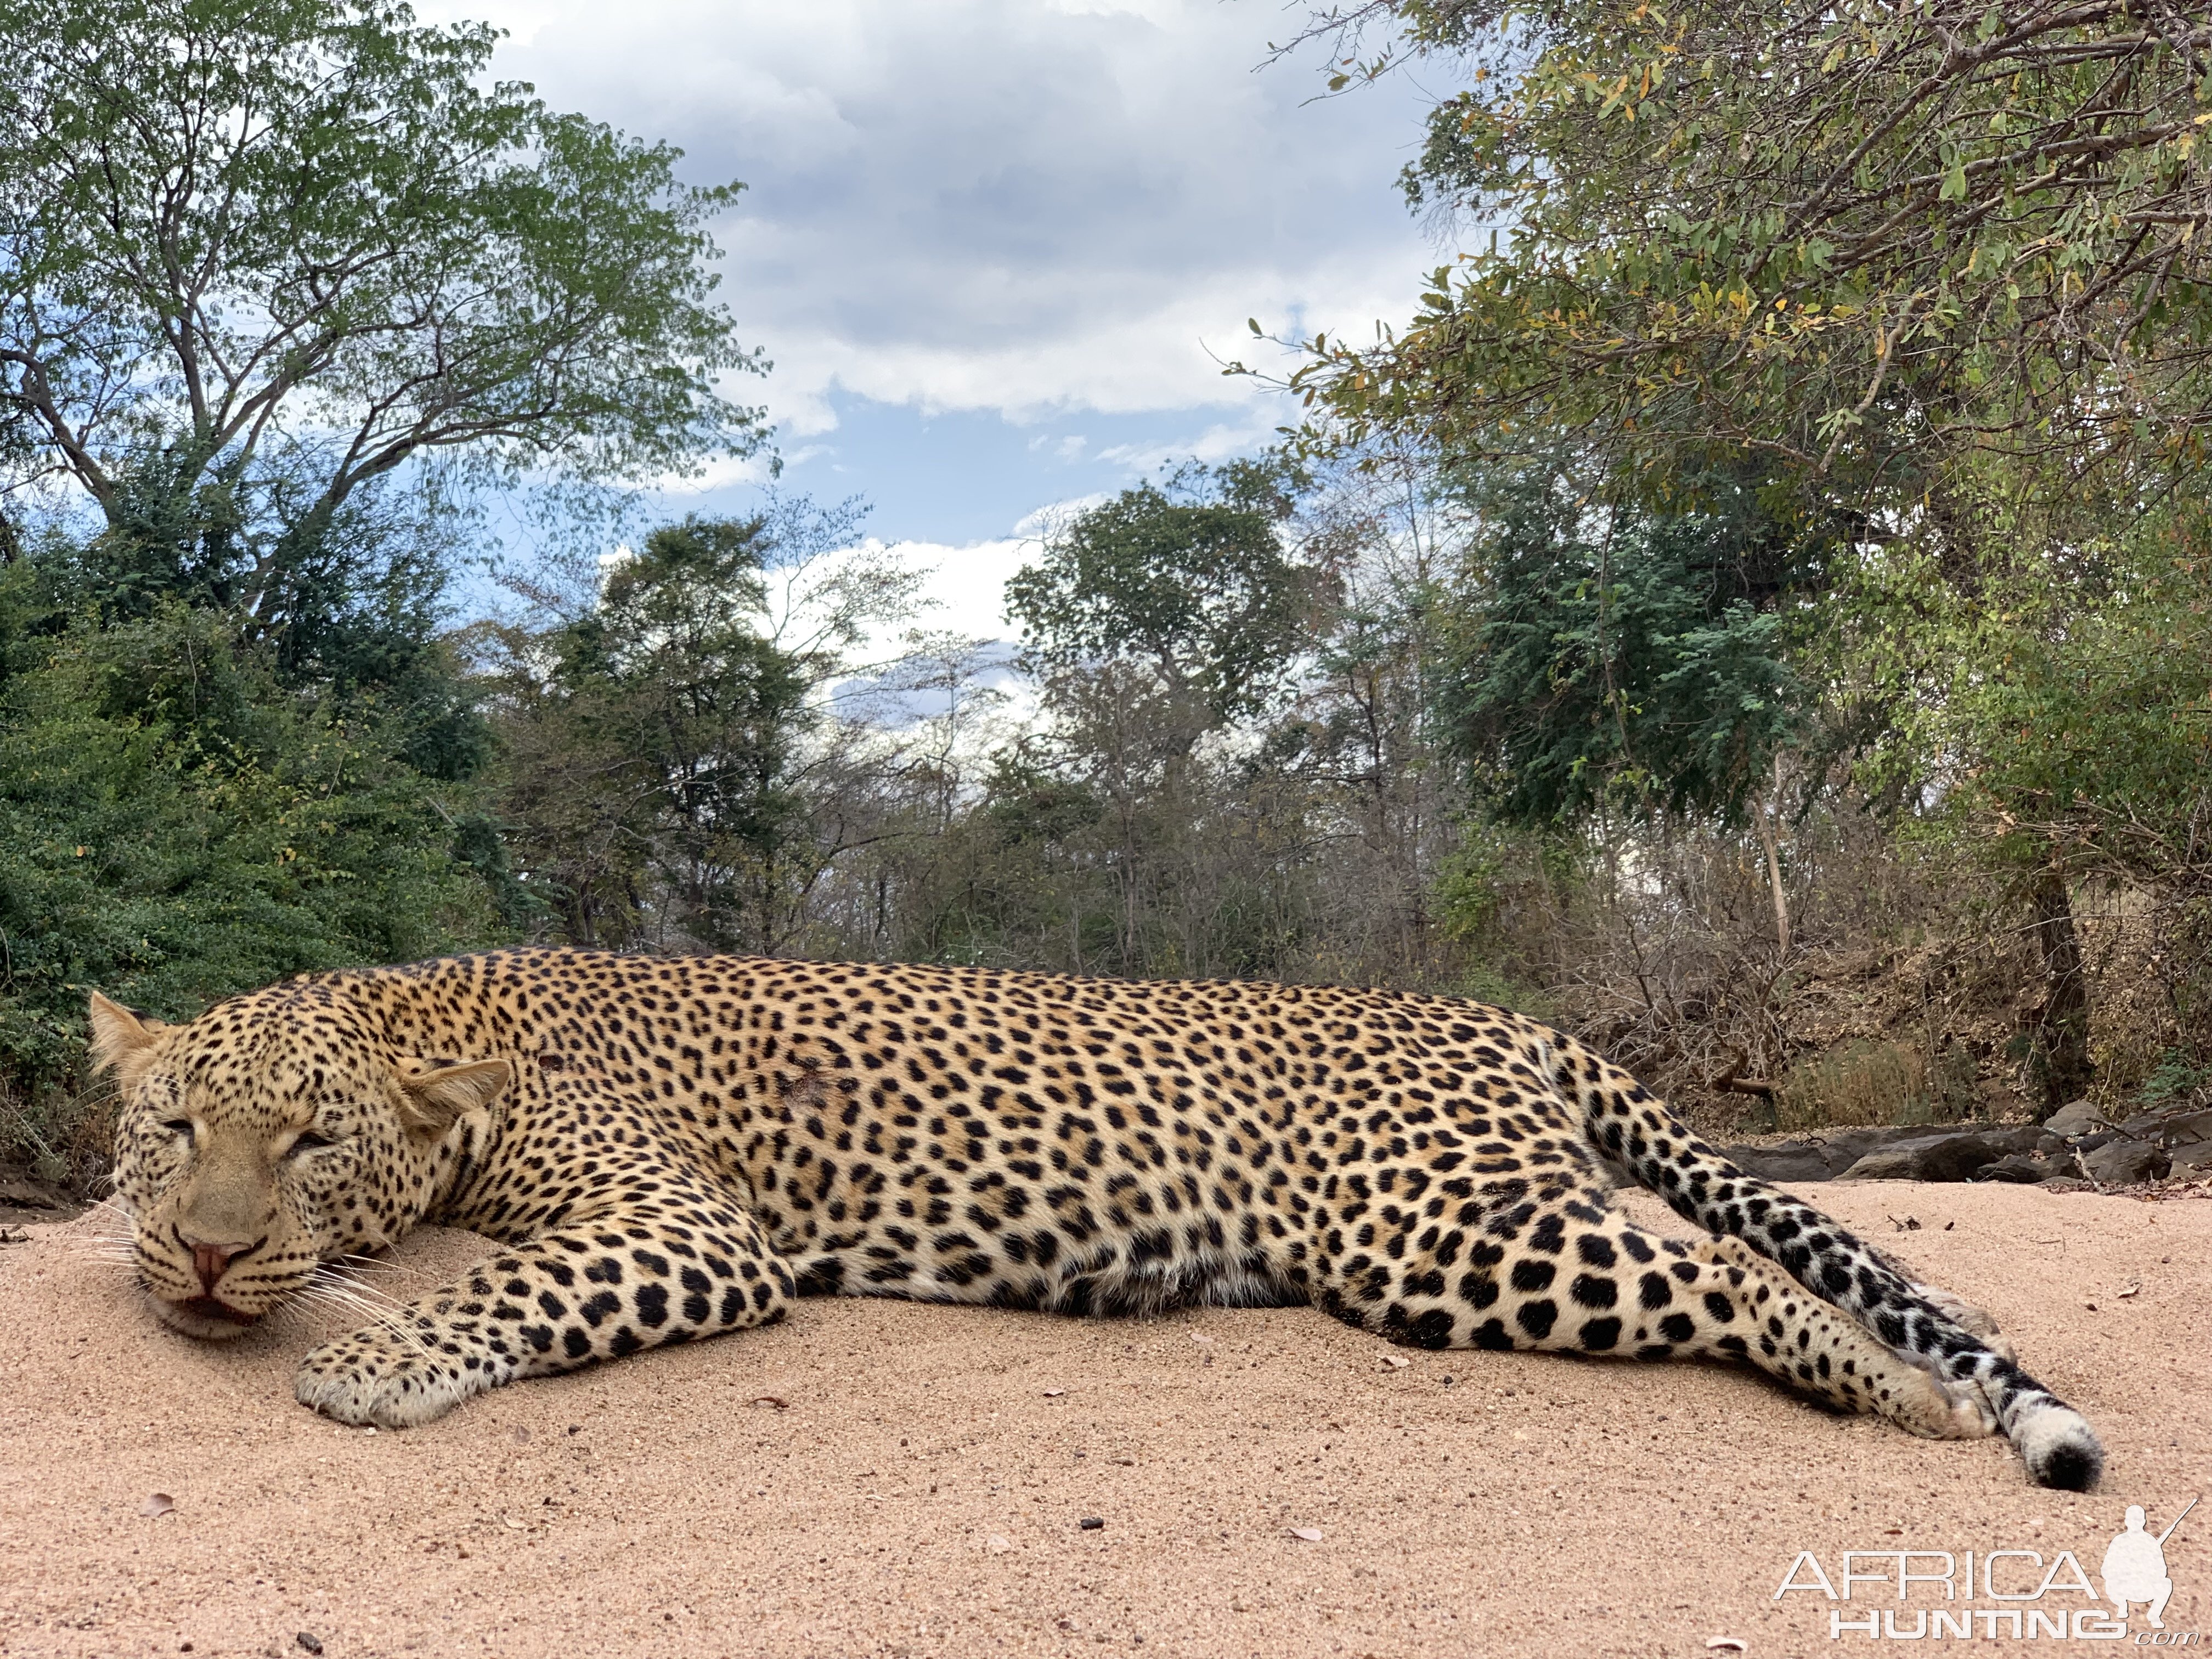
[965, 592]
[721, 473]
[1030, 207]
[726, 472]
[1222, 440]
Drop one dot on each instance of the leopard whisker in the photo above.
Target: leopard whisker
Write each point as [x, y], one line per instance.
[388, 1315]
[365, 1268]
[374, 1294]
[103, 1247]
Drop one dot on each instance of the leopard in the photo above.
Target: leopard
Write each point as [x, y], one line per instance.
[662, 1148]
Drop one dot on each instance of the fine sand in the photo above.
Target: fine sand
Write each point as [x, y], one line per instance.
[886, 1478]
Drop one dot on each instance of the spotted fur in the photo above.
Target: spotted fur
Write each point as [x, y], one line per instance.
[673, 1147]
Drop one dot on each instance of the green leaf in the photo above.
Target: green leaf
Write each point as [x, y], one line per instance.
[366, 235]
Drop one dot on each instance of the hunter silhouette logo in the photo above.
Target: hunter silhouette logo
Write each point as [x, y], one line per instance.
[2135, 1566]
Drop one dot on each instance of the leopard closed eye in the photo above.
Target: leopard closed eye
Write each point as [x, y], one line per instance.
[668, 1148]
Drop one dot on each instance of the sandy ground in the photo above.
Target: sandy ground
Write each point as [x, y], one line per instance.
[883, 1478]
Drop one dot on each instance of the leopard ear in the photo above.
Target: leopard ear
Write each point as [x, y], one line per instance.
[433, 1100]
[122, 1038]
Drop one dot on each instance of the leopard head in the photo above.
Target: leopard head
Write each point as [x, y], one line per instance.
[274, 1133]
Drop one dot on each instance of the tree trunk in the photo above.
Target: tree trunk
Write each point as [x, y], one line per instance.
[1768, 841]
[2059, 1059]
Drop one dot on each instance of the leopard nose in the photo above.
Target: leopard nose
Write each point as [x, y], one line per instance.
[210, 1261]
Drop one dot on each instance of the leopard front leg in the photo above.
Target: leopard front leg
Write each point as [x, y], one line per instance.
[644, 1276]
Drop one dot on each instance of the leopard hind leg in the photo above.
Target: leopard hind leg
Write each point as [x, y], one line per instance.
[1638, 1137]
[1976, 1322]
[1560, 1271]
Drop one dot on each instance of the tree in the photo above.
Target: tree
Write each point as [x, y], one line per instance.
[1939, 268]
[1857, 241]
[1157, 618]
[2068, 702]
[1191, 580]
[675, 770]
[176, 826]
[1624, 659]
[284, 288]
[651, 743]
[1359, 744]
[256, 254]
[1627, 662]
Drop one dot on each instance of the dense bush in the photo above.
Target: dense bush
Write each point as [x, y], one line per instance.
[178, 824]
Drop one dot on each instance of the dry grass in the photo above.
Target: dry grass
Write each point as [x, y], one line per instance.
[58, 1137]
[1870, 1082]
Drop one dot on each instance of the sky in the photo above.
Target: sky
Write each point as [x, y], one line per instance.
[996, 249]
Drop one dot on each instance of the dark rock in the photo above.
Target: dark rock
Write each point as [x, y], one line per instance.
[1793, 1160]
[2020, 1168]
[23, 1200]
[2122, 1162]
[1821, 1157]
[2177, 1137]
[1851, 1145]
[1956, 1155]
[2190, 1142]
[2075, 1117]
[2146, 1126]
[1890, 1164]
[2183, 1132]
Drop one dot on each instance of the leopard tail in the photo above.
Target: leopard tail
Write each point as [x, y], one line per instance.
[1633, 1132]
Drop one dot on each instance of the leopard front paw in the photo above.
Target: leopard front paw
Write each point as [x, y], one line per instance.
[378, 1377]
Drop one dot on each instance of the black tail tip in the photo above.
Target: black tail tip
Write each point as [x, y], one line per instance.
[2061, 1452]
[2076, 1469]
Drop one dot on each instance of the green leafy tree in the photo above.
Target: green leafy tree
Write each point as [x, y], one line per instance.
[311, 238]
[283, 288]
[1624, 660]
[1168, 613]
[1858, 241]
[2062, 708]
[1190, 578]
[175, 825]
[1625, 663]
[1941, 267]
[655, 759]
